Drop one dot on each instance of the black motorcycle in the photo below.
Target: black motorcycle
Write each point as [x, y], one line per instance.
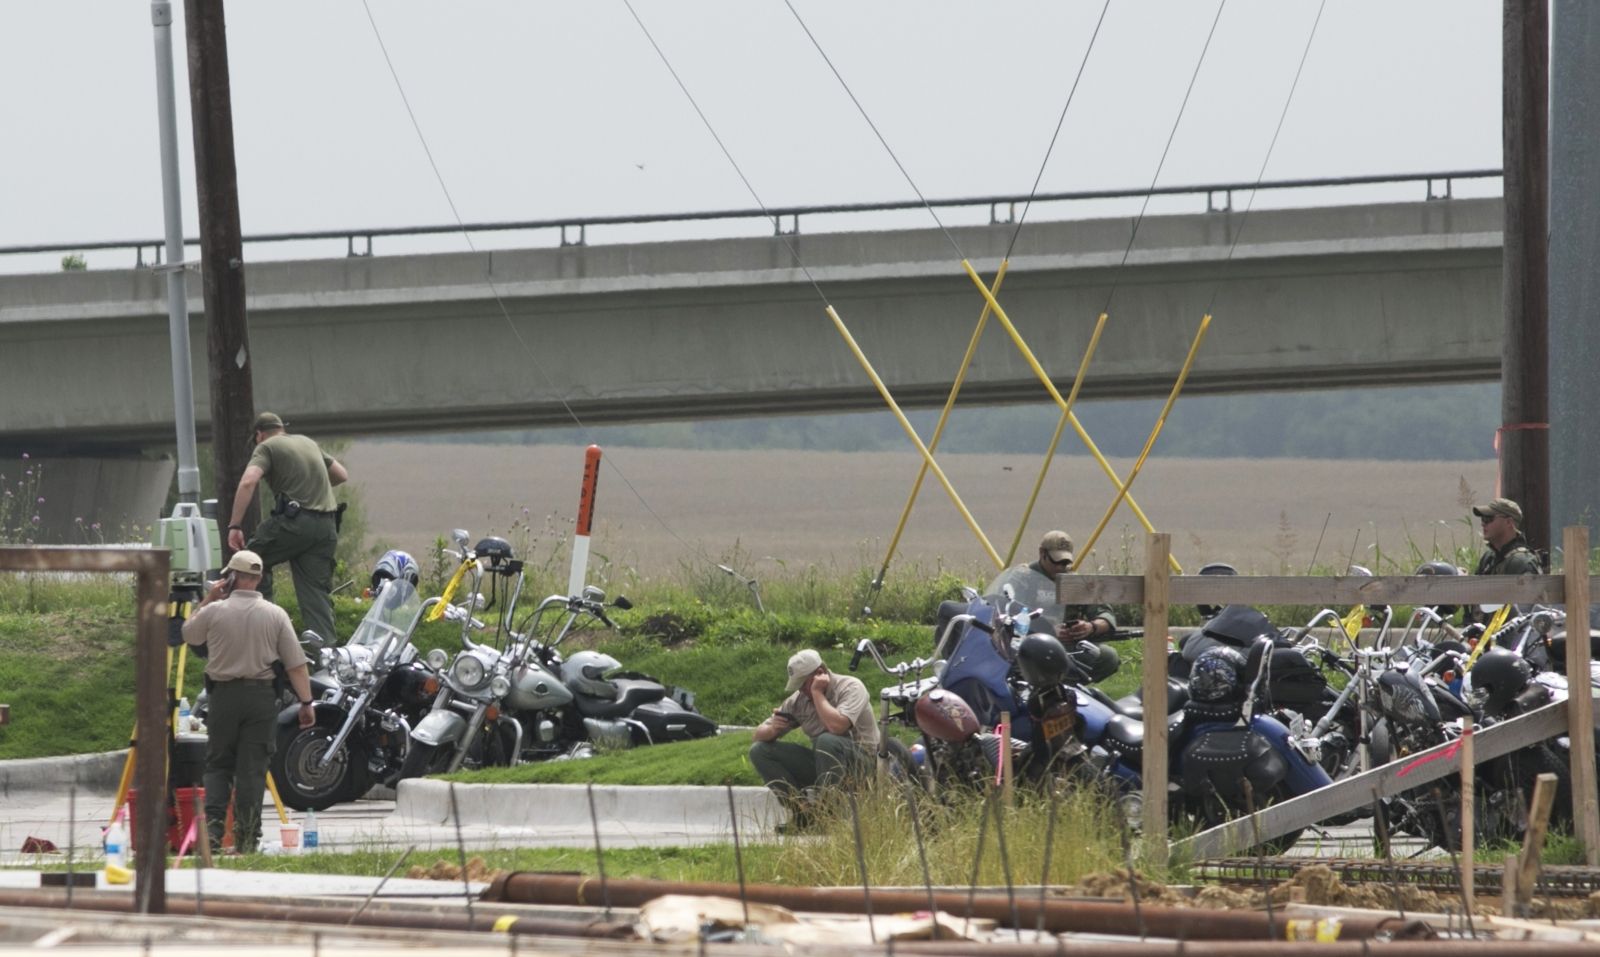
[367, 694]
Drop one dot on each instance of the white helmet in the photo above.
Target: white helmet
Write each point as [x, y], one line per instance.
[585, 674]
[394, 564]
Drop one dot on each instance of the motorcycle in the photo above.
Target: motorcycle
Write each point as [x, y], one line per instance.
[513, 698]
[366, 694]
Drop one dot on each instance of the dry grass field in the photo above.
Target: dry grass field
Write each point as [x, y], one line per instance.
[783, 510]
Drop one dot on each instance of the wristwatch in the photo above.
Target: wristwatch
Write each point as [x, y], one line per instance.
[232, 527]
[305, 704]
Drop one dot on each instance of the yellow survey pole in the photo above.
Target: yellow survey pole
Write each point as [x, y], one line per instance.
[1044, 377]
[1055, 440]
[938, 430]
[1172, 398]
[927, 457]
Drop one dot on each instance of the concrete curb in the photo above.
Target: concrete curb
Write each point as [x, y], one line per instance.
[92, 772]
[566, 806]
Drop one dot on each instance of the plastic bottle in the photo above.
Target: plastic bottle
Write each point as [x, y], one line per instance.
[117, 843]
[309, 836]
[183, 714]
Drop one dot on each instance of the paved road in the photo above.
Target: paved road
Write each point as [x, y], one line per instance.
[362, 825]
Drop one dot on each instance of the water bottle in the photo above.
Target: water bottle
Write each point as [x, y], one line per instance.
[183, 714]
[308, 832]
[117, 843]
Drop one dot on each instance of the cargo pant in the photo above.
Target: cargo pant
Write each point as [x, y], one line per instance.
[307, 542]
[242, 725]
[789, 768]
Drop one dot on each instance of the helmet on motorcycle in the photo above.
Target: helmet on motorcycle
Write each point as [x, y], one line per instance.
[494, 550]
[1439, 568]
[1215, 676]
[1499, 676]
[1214, 568]
[1042, 660]
[394, 564]
[585, 674]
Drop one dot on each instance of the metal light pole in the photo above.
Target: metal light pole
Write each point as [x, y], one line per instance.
[177, 294]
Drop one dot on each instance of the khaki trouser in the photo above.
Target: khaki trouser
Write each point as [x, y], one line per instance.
[242, 725]
[307, 542]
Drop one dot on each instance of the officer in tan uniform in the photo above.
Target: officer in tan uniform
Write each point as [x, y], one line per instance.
[303, 528]
[243, 635]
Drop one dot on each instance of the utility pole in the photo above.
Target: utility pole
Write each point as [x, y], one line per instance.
[221, 250]
[1523, 441]
[1574, 281]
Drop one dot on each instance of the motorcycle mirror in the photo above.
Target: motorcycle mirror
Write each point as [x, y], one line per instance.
[312, 640]
[593, 593]
[622, 602]
[459, 536]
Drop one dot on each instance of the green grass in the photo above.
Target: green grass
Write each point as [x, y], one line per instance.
[708, 761]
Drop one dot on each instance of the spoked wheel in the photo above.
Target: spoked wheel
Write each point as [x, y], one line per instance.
[304, 781]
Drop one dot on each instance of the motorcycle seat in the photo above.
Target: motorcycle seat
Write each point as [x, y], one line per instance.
[1124, 736]
[631, 693]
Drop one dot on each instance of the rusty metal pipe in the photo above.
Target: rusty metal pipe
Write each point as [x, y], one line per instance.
[322, 914]
[1059, 916]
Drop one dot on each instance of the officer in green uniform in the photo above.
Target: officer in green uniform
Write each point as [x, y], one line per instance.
[1508, 552]
[1081, 628]
[243, 635]
[303, 528]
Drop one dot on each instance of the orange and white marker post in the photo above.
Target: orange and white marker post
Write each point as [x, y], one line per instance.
[580, 539]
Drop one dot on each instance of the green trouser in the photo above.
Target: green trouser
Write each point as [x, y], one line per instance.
[307, 542]
[791, 768]
[242, 725]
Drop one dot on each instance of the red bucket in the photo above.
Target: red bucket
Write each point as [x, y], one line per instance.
[178, 818]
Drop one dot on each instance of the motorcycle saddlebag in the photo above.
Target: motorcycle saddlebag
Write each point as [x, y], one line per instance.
[1296, 683]
[1221, 761]
[666, 720]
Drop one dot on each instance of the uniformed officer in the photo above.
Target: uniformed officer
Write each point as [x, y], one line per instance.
[1508, 552]
[303, 528]
[243, 635]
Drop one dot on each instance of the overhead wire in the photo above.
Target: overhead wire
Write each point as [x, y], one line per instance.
[494, 290]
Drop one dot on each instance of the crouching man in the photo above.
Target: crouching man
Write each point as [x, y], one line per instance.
[835, 712]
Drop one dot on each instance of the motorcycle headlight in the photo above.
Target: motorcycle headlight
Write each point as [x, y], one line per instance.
[437, 659]
[467, 672]
[499, 686]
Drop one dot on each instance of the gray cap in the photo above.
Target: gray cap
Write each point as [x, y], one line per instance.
[1057, 545]
[245, 561]
[802, 665]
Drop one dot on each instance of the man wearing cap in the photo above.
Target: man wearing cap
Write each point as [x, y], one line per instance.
[303, 528]
[242, 636]
[1080, 627]
[835, 712]
[1508, 552]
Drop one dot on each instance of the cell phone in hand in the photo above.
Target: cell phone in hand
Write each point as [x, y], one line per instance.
[786, 716]
[230, 580]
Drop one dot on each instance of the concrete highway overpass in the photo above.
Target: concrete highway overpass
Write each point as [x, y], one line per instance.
[1308, 298]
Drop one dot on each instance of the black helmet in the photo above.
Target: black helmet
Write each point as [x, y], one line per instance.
[1216, 675]
[1439, 568]
[1042, 660]
[1499, 676]
[493, 551]
[1214, 568]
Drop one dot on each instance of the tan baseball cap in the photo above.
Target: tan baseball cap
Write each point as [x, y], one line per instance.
[1058, 545]
[802, 666]
[1500, 506]
[246, 561]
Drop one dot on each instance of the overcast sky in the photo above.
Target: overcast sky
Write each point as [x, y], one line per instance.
[536, 110]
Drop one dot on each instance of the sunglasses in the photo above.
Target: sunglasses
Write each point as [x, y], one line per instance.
[1487, 519]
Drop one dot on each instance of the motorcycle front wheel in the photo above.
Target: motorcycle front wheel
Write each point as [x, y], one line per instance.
[304, 785]
[423, 759]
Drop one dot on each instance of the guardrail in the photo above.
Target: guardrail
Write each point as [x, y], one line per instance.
[1438, 186]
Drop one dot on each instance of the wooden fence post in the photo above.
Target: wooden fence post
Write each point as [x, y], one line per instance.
[1580, 704]
[1157, 551]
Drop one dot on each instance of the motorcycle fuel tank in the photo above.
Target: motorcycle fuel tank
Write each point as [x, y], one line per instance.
[535, 689]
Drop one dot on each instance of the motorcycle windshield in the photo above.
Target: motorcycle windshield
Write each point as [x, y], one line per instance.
[389, 622]
[1031, 588]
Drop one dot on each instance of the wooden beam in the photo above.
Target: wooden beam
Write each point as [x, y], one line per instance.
[1585, 809]
[1308, 590]
[5, 714]
[1158, 548]
[1527, 865]
[1386, 781]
